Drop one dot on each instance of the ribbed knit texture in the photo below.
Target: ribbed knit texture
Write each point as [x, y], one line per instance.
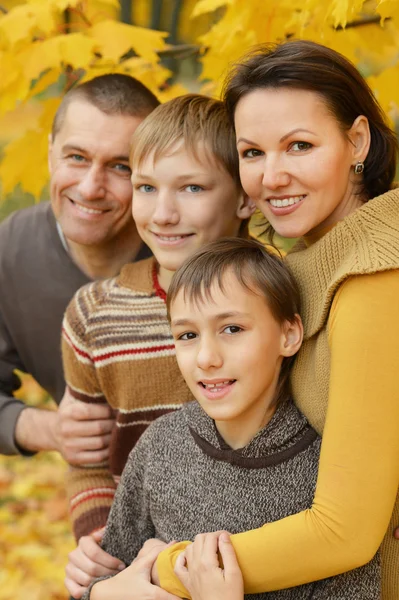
[365, 242]
[174, 487]
[118, 348]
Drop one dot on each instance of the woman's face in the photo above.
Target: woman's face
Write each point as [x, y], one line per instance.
[295, 161]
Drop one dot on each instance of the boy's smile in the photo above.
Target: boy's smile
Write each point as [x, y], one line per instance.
[230, 348]
[181, 202]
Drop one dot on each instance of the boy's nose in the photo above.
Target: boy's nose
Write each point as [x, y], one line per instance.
[209, 356]
[166, 212]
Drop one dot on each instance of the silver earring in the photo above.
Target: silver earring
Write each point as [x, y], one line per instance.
[359, 167]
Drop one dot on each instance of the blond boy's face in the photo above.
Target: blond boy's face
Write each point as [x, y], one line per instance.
[230, 349]
[181, 202]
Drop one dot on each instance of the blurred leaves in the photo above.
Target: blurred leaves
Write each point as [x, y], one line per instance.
[35, 532]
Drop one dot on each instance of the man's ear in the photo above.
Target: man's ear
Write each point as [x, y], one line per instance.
[246, 207]
[359, 135]
[292, 337]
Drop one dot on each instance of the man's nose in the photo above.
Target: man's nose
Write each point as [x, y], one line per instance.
[92, 184]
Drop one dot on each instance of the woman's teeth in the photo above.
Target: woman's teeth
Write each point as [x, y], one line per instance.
[170, 238]
[286, 202]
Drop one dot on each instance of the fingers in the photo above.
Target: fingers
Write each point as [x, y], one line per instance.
[74, 589]
[181, 570]
[228, 555]
[396, 534]
[93, 560]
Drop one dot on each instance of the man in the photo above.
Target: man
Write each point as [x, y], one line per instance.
[50, 250]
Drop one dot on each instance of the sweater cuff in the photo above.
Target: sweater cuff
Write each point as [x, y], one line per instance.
[10, 414]
[90, 521]
[165, 565]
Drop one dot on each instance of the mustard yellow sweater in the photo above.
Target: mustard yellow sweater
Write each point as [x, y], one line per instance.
[346, 381]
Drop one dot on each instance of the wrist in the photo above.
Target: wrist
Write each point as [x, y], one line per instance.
[35, 430]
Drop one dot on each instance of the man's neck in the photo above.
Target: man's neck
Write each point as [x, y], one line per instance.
[105, 260]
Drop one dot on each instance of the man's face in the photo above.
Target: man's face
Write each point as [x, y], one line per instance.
[90, 186]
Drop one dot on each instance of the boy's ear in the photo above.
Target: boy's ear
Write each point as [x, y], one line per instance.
[246, 207]
[292, 337]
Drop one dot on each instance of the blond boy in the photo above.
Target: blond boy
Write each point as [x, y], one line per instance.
[117, 344]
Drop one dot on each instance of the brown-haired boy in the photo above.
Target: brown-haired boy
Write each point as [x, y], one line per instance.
[117, 343]
[242, 455]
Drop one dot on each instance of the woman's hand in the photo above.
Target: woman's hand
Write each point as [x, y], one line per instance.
[199, 571]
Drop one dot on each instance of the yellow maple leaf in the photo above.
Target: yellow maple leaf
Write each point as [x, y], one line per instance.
[21, 22]
[77, 49]
[206, 6]
[25, 158]
[115, 39]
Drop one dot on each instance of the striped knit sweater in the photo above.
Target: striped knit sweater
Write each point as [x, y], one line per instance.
[117, 348]
[182, 479]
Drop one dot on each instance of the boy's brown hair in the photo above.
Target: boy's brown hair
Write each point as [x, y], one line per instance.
[256, 269]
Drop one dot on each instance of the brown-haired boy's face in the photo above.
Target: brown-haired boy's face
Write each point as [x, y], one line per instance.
[181, 202]
[230, 349]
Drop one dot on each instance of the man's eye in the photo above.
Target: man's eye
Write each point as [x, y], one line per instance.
[252, 153]
[231, 329]
[146, 188]
[300, 146]
[190, 335]
[123, 168]
[194, 189]
[77, 157]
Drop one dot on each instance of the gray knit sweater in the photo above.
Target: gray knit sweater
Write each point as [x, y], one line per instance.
[182, 479]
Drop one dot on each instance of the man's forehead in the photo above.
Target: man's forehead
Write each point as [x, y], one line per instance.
[85, 119]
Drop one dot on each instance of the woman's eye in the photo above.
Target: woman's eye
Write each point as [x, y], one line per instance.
[194, 189]
[252, 153]
[230, 329]
[146, 188]
[300, 146]
[190, 335]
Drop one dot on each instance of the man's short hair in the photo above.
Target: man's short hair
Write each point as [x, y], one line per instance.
[194, 119]
[256, 269]
[113, 94]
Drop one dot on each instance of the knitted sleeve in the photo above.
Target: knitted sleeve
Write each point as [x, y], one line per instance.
[129, 523]
[90, 490]
[359, 464]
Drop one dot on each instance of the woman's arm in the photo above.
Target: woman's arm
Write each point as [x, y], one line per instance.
[359, 462]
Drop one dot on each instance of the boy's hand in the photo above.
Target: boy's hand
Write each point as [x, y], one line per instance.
[87, 562]
[134, 583]
[83, 431]
[199, 571]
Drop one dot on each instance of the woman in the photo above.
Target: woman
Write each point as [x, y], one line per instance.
[319, 160]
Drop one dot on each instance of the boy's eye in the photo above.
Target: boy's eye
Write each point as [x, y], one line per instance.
[190, 335]
[231, 329]
[252, 153]
[146, 188]
[193, 188]
[300, 146]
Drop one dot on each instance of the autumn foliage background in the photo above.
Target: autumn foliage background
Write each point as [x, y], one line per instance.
[46, 47]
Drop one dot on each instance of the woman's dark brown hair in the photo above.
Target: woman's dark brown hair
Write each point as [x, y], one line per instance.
[309, 66]
[259, 271]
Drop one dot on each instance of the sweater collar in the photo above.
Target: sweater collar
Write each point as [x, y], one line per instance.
[365, 242]
[286, 434]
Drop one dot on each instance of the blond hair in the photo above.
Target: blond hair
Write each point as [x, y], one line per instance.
[195, 120]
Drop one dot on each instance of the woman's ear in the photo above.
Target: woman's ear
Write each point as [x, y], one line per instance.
[292, 337]
[246, 207]
[359, 135]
